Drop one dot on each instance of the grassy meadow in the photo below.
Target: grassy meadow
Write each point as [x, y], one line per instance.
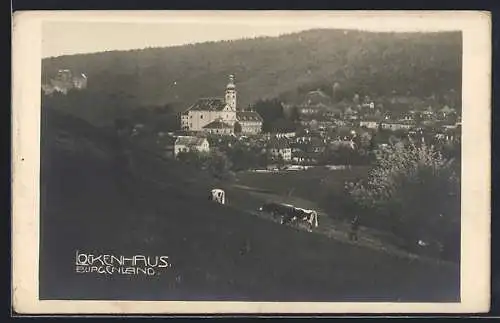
[218, 252]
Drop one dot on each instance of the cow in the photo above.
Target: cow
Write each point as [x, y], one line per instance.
[218, 196]
[277, 209]
[289, 214]
[309, 217]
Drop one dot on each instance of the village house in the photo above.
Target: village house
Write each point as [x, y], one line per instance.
[207, 110]
[250, 122]
[417, 134]
[315, 102]
[190, 143]
[65, 81]
[446, 111]
[370, 123]
[344, 134]
[368, 105]
[447, 135]
[279, 147]
[290, 134]
[316, 145]
[342, 142]
[295, 147]
[333, 113]
[310, 110]
[340, 123]
[427, 115]
[307, 137]
[303, 158]
[325, 124]
[397, 125]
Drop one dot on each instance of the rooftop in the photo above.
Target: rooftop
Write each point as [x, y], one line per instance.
[248, 116]
[189, 141]
[208, 104]
[401, 122]
[217, 124]
[371, 119]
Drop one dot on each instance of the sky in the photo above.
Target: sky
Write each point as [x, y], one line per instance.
[66, 34]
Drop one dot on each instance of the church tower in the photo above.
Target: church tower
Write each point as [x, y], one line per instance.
[231, 93]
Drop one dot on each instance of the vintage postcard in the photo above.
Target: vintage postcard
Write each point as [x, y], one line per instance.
[280, 162]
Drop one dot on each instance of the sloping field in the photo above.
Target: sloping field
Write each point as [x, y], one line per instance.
[217, 252]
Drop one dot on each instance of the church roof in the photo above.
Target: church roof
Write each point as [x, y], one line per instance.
[248, 116]
[208, 104]
[217, 124]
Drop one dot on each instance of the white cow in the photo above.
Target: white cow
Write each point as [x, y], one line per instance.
[312, 217]
[218, 195]
[308, 216]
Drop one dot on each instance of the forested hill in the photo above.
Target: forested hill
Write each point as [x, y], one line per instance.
[375, 64]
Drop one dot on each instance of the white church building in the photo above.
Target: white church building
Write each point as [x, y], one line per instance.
[205, 113]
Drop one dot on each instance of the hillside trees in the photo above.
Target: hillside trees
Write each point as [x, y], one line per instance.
[367, 63]
[417, 191]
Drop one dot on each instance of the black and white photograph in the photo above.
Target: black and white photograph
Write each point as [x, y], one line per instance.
[257, 158]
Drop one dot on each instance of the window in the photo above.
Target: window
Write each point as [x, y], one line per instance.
[201, 116]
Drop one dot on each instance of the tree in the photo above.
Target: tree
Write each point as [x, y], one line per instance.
[355, 99]
[242, 158]
[336, 89]
[263, 159]
[218, 165]
[237, 128]
[295, 114]
[271, 111]
[282, 125]
[122, 125]
[280, 161]
[416, 192]
[418, 118]
[190, 157]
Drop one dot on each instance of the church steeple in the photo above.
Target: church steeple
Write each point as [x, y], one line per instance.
[231, 93]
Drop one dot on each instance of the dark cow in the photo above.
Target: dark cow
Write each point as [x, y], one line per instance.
[277, 209]
[289, 214]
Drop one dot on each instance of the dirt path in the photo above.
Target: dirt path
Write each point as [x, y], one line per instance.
[336, 229]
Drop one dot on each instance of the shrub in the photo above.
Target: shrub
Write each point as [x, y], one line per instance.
[215, 162]
[416, 191]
